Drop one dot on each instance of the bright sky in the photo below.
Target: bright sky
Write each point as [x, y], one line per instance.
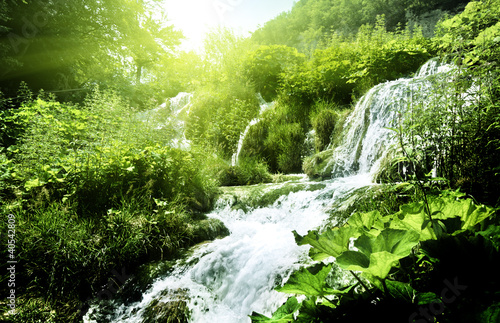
[196, 17]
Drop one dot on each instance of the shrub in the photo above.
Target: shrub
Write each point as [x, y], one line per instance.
[287, 140]
[219, 115]
[248, 171]
[93, 156]
[324, 124]
[264, 67]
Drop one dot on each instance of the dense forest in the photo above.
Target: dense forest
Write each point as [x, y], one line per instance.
[87, 187]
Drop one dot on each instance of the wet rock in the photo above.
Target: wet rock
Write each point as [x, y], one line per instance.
[172, 310]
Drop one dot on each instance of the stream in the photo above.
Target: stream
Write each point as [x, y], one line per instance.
[227, 279]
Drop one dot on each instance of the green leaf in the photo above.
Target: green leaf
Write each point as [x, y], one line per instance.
[426, 298]
[480, 214]
[377, 255]
[491, 314]
[366, 221]
[398, 242]
[284, 314]
[330, 243]
[353, 260]
[32, 184]
[309, 281]
[402, 291]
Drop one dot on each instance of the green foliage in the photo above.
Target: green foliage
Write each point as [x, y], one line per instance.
[348, 67]
[246, 172]
[217, 118]
[284, 314]
[277, 139]
[224, 102]
[95, 188]
[67, 257]
[309, 23]
[461, 114]
[384, 247]
[387, 56]
[96, 154]
[265, 65]
[324, 123]
[62, 46]
[287, 140]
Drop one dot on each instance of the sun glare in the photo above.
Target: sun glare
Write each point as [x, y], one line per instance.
[195, 18]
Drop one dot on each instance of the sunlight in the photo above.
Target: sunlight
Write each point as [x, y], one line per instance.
[195, 18]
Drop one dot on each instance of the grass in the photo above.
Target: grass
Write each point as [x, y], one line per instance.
[67, 259]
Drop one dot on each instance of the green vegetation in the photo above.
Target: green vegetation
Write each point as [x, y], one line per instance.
[94, 188]
[411, 260]
[406, 259]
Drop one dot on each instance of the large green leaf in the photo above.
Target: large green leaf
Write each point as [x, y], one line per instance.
[414, 216]
[480, 214]
[402, 291]
[309, 281]
[284, 314]
[353, 260]
[377, 255]
[379, 264]
[365, 222]
[330, 243]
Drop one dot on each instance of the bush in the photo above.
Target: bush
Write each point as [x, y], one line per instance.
[219, 115]
[66, 257]
[247, 172]
[264, 67]
[324, 124]
[95, 155]
[95, 189]
[278, 140]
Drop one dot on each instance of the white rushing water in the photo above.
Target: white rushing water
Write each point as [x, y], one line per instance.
[368, 137]
[170, 115]
[227, 279]
[233, 276]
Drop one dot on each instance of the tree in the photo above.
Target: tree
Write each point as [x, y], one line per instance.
[265, 65]
[60, 45]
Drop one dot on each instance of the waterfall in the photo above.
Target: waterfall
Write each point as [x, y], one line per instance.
[179, 106]
[263, 107]
[170, 115]
[367, 136]
[227, 279]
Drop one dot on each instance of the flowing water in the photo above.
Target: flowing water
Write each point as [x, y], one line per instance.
[170, 115]
[227, 279]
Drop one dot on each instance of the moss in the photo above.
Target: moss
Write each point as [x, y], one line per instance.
[173, 311]
[384, 198]
[318, 165]
[256, 196]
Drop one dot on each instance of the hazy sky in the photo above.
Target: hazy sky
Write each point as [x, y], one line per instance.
[196, 17]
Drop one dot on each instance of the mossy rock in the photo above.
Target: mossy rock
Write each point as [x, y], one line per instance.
[385, 198]
[319, 166]
[251, 197]
[173, 311]
[210, 229]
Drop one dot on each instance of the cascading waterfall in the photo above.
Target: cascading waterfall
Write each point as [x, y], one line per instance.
[368, 136]
[175, 108]
[227, 279]
[263, 107]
